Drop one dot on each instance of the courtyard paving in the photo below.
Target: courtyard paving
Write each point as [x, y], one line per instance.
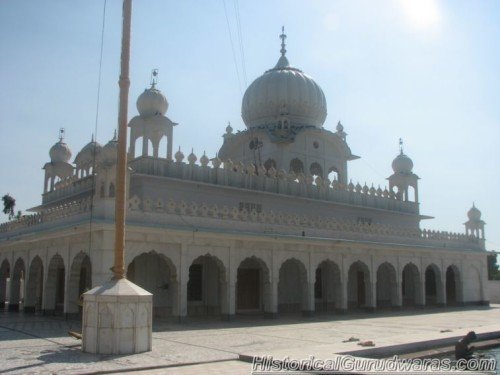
[38, 344]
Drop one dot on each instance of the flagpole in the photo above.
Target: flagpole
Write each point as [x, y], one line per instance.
[121, 172]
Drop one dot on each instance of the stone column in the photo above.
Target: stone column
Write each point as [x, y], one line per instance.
[144, 145]
[441, 290]
[180, 303]
[310, 301]
[341, 307]
[7, 293]
[371, 303]
[169, 144]
[398, 298]
[272, 310]
[228, 300]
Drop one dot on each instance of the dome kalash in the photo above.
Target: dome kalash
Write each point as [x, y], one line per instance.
[284, 91]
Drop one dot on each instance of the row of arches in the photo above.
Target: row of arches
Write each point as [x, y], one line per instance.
[315, 169]
[206, 288]
[207, 284]
[48, 289]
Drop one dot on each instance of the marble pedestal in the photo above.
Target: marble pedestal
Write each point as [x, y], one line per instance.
[117, 319]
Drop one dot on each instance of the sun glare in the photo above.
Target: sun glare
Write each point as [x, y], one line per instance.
[422, 14]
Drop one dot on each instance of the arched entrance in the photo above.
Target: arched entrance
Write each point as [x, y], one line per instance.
[80, 280]
[453, 286]
[358, 286]
[327, 287]
[410, 285]
[252, 286]
[292, 287]
[4, 275]
[55, 286]
[17, 285]
[156, 273]
[387, 287]
[34, 290]
[432, 285]
[206, 286]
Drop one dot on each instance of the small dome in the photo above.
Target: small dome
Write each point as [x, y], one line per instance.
[340, 127]
[179, 156]
[88, 152]
[192, 157]
[60, 152]
[152, 102]
[402, 164]
[109, 153]
[474, 214]
[204, 160]
[284, 91]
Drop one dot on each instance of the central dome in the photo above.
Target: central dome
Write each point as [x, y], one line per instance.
[284, 91]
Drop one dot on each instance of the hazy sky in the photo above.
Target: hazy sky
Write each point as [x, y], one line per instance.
[423, 70]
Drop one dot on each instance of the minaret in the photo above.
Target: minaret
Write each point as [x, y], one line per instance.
[151, 125]
[403, 177]
[474, 226]
[59, 167]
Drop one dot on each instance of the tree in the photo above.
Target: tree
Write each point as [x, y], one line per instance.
[8, 205]
[493, 272]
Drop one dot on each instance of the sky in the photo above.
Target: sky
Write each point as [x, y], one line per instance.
[426, 71]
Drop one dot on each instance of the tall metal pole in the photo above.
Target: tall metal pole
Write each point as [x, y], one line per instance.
[121, 173]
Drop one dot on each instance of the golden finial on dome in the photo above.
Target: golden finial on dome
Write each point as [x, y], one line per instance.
[154, 80]
[283, 37]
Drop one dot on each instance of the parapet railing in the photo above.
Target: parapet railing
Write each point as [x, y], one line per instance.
[239, 175]
[68, 187]
[271, 217]
[56, 213]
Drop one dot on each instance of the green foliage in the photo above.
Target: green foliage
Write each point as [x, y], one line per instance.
[8, 205]
[493, 272]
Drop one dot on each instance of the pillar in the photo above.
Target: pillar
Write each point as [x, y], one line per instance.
[309, 307]
[228, 300]
[271, 310]
[441, 290]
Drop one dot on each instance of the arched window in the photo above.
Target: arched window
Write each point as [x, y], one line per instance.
[270, 163]
[333, 174]
[296, 166]
[316, 170]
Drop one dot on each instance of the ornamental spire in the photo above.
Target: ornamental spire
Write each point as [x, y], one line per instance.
[154, 80]
[283, 37]
[401, 146]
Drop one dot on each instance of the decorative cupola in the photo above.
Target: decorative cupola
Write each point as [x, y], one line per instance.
[151, 125]
[86, 159]
[340, 131]
[284, 96]
[59, 167]
[403, 176]
[474, 226]
[229, 131]
[105, 185]
[109, 153]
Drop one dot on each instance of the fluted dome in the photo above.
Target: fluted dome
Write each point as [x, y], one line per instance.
[284, 90]
[60, 152]
[109, 153]
[152, 102]
[402, 164]
[86, 155]
[474, 214]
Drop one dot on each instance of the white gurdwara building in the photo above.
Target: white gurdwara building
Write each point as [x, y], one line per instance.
[271, 225]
